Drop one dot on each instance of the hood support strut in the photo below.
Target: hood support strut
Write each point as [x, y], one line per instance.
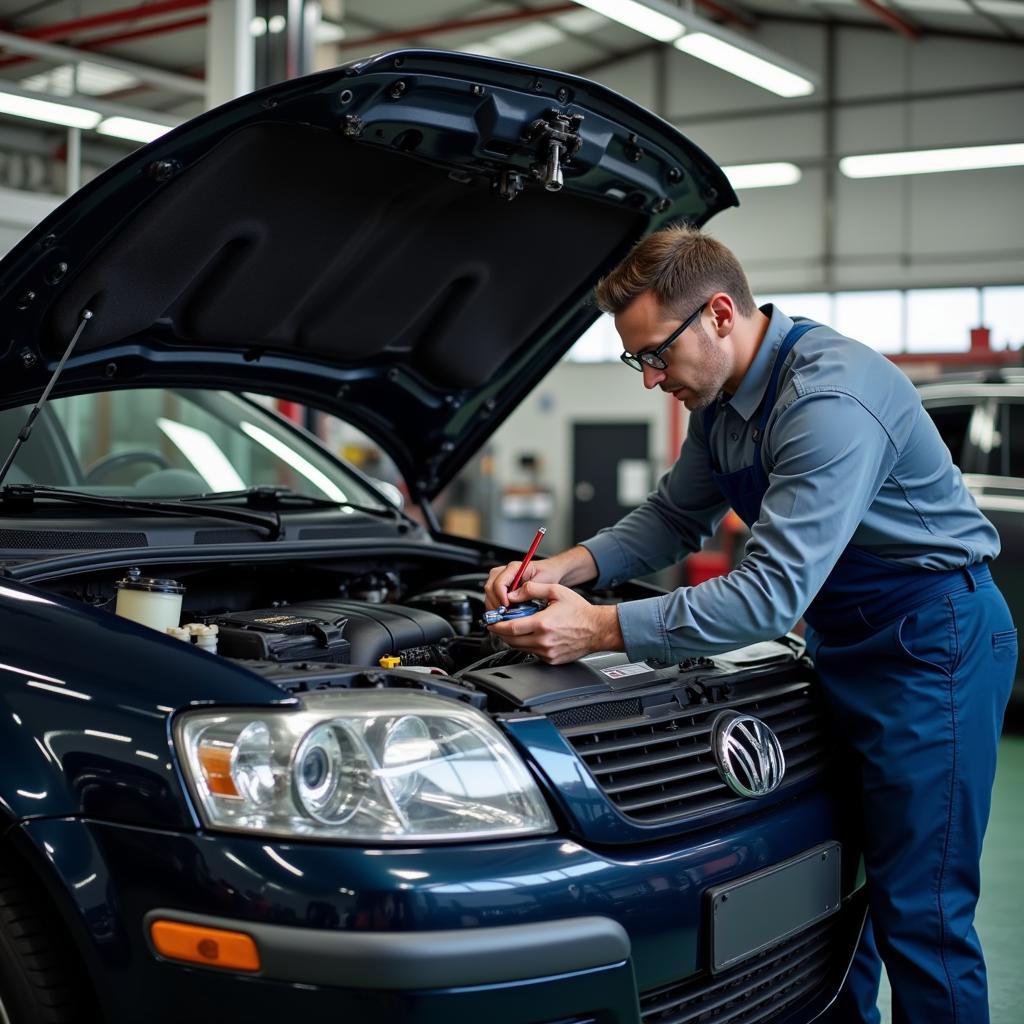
[26, 430]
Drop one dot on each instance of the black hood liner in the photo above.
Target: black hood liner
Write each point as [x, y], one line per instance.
[420, 265]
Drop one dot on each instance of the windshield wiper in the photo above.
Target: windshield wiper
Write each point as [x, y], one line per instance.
[269, 496]
[24, 494]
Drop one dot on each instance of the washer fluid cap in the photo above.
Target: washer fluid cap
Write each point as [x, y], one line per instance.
[136, 581]
[179, 633]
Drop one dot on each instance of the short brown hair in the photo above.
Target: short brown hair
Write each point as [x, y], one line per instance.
[682, 267]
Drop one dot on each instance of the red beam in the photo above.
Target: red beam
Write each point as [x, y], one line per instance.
[120, 37]
[725, 14]
[892, 19]
[65, 29]
[990, 357]
[142, 33]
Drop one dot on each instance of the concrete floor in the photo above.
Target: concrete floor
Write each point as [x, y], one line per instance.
[1000, 918]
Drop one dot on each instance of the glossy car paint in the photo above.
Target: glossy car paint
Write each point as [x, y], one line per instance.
[97, 804]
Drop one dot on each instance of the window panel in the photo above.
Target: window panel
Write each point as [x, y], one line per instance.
[874, 318]
[599, 343]
[813, 305]
[940, 319]
[1003, 314]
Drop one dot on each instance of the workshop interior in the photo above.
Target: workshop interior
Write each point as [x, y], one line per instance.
[311, 374]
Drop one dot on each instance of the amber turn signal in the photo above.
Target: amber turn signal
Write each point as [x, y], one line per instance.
[211, 947]
[216, 762]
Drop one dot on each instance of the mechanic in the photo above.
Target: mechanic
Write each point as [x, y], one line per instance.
[861, 524]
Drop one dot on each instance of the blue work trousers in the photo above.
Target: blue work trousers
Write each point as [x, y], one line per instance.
[920, 698]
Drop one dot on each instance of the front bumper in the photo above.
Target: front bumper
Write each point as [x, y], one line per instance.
[527, 932]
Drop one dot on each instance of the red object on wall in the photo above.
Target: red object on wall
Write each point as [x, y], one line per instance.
[705, 565]
[981, 339]
[290, 410]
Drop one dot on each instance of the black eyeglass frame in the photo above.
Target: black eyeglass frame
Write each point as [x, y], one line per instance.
[652, 357]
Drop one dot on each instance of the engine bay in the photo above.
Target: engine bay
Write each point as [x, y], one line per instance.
[306, 628]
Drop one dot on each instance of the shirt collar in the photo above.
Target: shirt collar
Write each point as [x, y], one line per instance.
[755, 381]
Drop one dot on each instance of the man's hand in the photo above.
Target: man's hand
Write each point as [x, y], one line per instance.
[496, 591]
[570, 567]
[567, 629]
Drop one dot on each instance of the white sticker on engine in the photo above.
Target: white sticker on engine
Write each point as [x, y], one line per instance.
[633, 668]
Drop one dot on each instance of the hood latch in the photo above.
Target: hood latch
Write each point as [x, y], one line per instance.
[556, 137]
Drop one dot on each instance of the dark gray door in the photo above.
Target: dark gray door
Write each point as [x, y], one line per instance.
[611, 473]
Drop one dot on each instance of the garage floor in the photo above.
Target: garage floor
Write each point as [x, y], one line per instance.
[1000, 919]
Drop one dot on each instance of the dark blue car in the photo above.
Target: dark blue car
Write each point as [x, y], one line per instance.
[260, 759]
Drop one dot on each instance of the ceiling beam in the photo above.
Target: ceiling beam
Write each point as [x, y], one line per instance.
[66, 29]
[895, 21]
[70, 55]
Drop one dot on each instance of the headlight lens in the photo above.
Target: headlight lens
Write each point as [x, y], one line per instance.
[383, 765]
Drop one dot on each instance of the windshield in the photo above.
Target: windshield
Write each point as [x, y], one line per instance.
[154, 442]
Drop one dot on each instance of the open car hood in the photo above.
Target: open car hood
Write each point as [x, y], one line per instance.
[377, 241]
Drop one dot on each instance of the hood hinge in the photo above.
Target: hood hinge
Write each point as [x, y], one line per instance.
[556, 136]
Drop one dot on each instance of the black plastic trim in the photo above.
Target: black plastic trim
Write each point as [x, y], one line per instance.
[425, 959]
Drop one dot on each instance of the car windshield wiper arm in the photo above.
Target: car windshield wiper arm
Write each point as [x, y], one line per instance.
[15, 494]
[266, 495]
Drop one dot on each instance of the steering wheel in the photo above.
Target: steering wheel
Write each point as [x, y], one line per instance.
[118, 460]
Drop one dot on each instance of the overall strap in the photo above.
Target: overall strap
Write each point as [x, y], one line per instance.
[796, 332]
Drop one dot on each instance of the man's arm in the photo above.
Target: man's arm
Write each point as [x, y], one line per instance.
[831, 457]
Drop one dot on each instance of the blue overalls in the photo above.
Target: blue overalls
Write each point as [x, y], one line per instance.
[917, 667]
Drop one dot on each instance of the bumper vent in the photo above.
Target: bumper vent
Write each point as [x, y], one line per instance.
[760, 989]
[657, 770]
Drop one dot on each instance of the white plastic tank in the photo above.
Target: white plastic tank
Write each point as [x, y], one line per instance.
[152, 602]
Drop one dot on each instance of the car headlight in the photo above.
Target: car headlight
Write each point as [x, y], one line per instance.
[368, 766]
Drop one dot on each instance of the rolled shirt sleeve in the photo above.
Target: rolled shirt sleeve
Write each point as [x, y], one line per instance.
[831, 456]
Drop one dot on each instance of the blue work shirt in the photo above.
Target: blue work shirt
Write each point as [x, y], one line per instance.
[851, 457]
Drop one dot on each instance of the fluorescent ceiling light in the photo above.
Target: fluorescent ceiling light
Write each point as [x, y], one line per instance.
[579, 21]
[762, 175]
[329, 32]
[1004, 8]
[932, 161]
[640, 17]
[518, 41]
[939, 6]
[88, 80]
[132, 128]
[45, 110]
[744, 64]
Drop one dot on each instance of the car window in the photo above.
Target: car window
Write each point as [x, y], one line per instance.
[173, 443]
[952, 421]
[985, 440]
[1014, 438]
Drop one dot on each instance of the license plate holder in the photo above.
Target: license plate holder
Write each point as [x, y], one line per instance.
[755, 912]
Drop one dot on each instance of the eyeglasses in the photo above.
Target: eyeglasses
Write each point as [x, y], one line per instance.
[652, 357]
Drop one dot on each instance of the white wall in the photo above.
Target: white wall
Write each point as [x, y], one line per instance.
[572, 393]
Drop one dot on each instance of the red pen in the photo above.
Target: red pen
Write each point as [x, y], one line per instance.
[529, 555]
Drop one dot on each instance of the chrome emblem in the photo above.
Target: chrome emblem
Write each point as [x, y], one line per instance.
[749, 755]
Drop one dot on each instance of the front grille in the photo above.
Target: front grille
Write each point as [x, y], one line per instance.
[757, 990]
[663, 769]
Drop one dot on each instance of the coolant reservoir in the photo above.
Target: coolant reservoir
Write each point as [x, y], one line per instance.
[152, 602]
